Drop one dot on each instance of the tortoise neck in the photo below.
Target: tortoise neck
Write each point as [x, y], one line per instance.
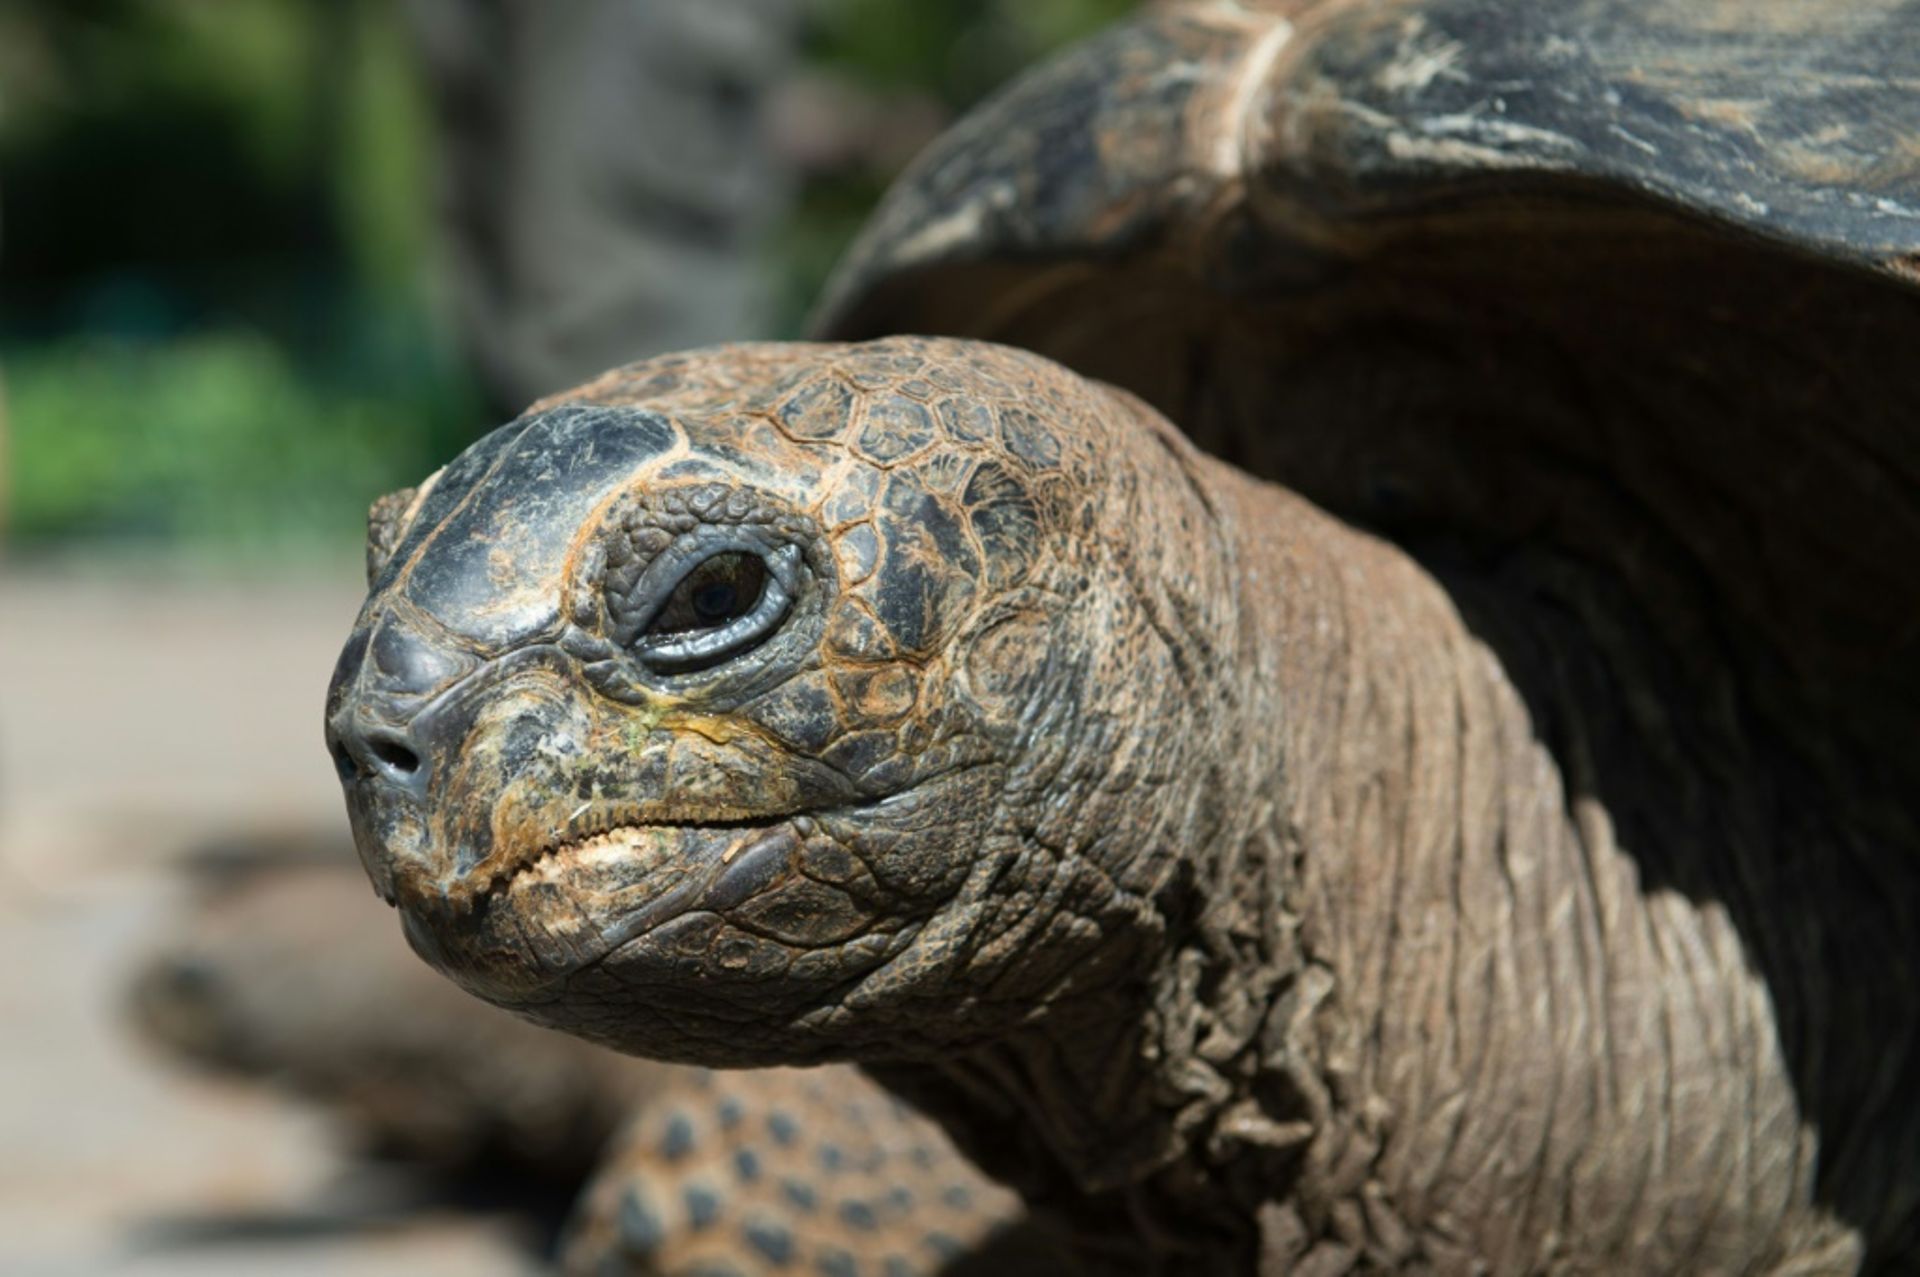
[1400, 945]
[1182, 1096]
[1480, 957]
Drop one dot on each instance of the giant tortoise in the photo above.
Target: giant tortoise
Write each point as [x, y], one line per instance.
[1476, 834]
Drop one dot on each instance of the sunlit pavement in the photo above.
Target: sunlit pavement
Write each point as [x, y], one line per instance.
[142, 712]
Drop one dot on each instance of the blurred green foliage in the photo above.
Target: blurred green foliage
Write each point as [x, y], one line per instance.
[217, 326]
[214, 323]
[220, 438]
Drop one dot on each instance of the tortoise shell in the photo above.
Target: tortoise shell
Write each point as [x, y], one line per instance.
[1632, 280]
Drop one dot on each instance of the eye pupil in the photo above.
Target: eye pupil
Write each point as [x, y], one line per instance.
[715, 602]
[718, 592]
[721, 607]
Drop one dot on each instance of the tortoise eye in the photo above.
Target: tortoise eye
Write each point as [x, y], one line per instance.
[724, 605]
[723, 588]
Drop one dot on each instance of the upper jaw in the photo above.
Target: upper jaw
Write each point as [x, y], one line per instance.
[528, 838]
[565, 907]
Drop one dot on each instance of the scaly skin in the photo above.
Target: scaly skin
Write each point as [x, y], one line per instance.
[289, 974]
[809, 1170]
[1178, 845]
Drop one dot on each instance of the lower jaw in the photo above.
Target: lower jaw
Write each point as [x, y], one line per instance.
[572, 908]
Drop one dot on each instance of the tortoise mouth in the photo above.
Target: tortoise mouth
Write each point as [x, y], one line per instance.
[718, 865]
[549, 847]
[568, 904]
[565, 906]
[640, 841]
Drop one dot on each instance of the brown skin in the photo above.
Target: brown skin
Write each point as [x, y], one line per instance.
[1177, 844]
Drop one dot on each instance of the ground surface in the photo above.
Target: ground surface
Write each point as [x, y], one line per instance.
[143, 712]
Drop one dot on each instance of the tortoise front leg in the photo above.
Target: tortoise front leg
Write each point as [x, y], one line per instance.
[815, 1171]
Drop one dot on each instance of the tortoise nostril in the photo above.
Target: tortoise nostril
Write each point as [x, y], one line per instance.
[379, 753]
[394, 757]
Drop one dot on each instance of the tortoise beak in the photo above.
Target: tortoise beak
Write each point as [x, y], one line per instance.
[401, 712]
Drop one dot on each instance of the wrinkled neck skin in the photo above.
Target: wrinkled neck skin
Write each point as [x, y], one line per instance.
[1391, 995]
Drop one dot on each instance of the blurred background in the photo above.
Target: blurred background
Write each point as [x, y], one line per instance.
[261, 261]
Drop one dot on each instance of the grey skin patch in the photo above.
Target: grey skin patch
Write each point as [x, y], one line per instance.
[449, 489]
[400, 661]
[494, 537]
[783, 1128]
[800, 1193]
[640, 1225]
[746, 1165]
[857, 1214]
[836, 1263]
[677, 1141]
[771, 1240]
[702, 1203]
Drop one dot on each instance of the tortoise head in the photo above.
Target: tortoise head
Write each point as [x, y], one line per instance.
[753, 690]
